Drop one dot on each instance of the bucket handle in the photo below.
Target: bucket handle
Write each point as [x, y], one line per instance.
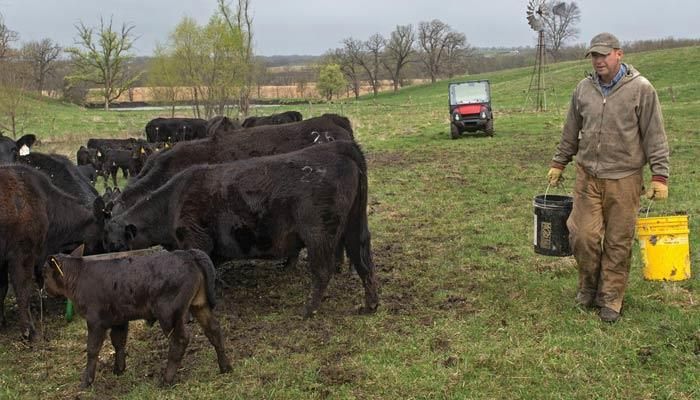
[546, 191]
[651, 202]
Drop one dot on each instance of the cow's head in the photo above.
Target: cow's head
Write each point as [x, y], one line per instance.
[53, 272]
[10, 149]
[121, 236]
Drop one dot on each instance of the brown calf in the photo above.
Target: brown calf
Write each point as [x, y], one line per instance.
[111, 290]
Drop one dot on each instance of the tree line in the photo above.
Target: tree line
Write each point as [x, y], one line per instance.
[213, 67]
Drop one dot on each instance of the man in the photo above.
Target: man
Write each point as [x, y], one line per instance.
[614, 127]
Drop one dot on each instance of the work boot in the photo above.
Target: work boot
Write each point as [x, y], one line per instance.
[608, 315]
[583, 300]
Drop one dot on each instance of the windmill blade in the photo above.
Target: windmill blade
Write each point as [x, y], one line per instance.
[536, 9]
[559, 9]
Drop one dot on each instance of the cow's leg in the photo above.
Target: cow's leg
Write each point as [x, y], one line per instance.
[113, 172]
[22, 273]
[211, 328]
[96, 336]
[4, 283]
[125, 172]
[292, 261]
[118, 335]
[339, 257]
[360, 256]
[179, 339]
[105, 176]
[321, 260]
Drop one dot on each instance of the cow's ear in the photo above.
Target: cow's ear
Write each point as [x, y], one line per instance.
[26, 140]
[78, 252]
[130, 231]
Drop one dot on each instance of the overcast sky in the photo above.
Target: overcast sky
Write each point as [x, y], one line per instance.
[285, 27]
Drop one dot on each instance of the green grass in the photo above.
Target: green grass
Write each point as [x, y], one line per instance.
[467, 309]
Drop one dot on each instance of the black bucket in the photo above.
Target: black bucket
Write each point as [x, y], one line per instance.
[551, 233]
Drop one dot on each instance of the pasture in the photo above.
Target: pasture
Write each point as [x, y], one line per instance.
[467, 310]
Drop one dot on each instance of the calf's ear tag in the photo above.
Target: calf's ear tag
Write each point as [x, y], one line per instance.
[58, 266]
[24, 150]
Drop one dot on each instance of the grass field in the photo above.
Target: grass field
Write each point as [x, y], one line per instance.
[467, 310]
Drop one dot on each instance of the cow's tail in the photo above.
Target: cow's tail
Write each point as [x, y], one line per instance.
[357, 238]
[207, 267]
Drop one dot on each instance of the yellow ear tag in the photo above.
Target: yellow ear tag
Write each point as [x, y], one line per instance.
[58, 267]
[143, 151]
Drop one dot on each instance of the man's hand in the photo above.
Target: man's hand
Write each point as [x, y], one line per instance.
[554, 175]
[658, 191]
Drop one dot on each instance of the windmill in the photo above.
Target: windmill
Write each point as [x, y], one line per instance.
[537, 12]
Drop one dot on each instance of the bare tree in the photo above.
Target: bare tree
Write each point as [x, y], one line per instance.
[560, 24]
[367, 55]
[398, 51]
[371, 59]
[104, 62]
[7, 36]
[241, 22]
[347, 64]
[13, 105]
[457, 50]
[431, 38]
[41, 57]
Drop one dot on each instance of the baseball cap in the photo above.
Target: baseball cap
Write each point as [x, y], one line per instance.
[603, 43]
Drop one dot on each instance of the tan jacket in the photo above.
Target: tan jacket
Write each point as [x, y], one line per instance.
[614, 136]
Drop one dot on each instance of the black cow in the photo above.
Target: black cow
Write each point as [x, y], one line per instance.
[85, 156]
[111, 290]
[120, 144]
[63, 174]
[175, 129]
[38, 219]
[224, 147]
[222, 123]
[265, 207]
[88, 171]
[10, 149]
[274, 119]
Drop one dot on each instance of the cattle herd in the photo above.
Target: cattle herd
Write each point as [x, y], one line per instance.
[205, 192]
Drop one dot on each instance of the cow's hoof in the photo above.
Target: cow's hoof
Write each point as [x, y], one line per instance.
[224, 369]
[364, 310]
[165, 383]
[30, 335]
[308, 313]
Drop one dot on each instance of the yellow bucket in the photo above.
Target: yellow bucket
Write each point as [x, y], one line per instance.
[664, 245]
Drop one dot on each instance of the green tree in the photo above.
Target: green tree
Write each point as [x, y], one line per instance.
[330, 81]
[163, 78]
[208, 62]
[103, 60]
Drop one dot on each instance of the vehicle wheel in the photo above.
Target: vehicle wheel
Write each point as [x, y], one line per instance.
[454, 131]
[489, 127]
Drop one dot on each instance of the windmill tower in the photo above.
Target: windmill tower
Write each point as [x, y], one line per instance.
[536, 12]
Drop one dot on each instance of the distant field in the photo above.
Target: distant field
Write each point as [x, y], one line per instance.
[467, 310]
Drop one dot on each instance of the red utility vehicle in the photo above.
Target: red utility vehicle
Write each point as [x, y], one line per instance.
[470, 107]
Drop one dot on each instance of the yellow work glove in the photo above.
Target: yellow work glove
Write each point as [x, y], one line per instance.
[658, 191]
[554, 175]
